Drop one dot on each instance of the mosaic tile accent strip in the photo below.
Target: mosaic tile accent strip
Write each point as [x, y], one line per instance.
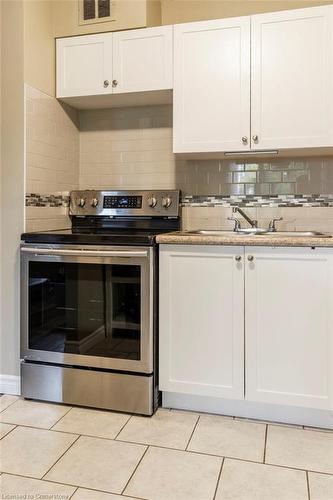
[47, 200]
[300, 200]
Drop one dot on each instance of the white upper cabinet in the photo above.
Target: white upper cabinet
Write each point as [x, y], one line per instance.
[143, 59]
[292, 79]
[201, 337]
[84, 65]
[283, 101]
[289, 326]
[212, 85]
[115, 63]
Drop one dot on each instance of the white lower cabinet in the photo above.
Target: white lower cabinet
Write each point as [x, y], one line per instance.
[202, 320]
[289, 326]
[287, 329]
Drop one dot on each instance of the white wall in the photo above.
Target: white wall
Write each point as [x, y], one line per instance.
[12, 187]
[39, 45]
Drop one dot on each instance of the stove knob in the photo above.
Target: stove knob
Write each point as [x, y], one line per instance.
[81, 202]
[166, 202]
[152, 202]
[94, 202]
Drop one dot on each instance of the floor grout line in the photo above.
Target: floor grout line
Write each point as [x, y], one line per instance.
[11, 404]
[78, 437]
[46, 428]
[103, 491]
[218, 479]
[11, 430]
[136, 468]
[308, 484]
[123, 427]
[55, 423]
[265, 445]
[194, 428]
[75, 490]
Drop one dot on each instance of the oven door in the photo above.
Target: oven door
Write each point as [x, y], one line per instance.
[88, 307]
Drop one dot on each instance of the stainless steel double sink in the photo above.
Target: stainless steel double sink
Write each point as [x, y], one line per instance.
[261, 232]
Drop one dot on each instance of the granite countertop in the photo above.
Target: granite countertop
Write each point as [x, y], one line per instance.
[190, 238]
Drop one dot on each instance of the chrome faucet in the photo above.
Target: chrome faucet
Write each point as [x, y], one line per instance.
[237, 226]
[252, 222]
[271, 227]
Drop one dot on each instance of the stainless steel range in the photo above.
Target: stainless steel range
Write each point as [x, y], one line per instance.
[89, 302]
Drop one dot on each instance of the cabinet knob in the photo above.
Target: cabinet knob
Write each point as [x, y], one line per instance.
[238, 258]
[255, 138]
[250, 258]
[244, 139]
[114, 83]
[106, 83]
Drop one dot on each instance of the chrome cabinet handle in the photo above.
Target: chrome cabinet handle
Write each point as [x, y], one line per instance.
[238, 258]
[244, 139]
[84, 253]
[114, 83]
[250, 258]
[106, 83]
[255, 138]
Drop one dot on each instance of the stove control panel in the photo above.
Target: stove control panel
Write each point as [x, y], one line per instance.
[122, 202]
[155, 203]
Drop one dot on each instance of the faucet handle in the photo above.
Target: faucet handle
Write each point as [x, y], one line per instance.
[271, 226]
[237, 226]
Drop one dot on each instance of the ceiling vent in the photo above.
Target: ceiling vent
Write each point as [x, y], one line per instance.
[96, 11]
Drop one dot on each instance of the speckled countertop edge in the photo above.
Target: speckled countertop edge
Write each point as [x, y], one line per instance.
[183, 238]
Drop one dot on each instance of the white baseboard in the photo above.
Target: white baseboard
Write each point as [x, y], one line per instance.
[249, 409]
[10, 384]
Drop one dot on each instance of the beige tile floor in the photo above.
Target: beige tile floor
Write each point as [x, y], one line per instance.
[55, 451]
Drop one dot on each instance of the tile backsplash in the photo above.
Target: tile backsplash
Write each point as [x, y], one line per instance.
[294, 219]
[131, 148]
[269, 177]
[52, 159]
[127, 148]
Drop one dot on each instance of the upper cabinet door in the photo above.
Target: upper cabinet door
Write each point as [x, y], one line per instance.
[292, 79]
[212, 86]
[84, 65]
[142, 60]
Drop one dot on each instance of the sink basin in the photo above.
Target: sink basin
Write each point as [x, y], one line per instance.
[297, 234]
[262, 232]
[219, 232]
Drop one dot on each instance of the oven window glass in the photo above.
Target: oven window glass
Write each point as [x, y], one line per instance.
[88, 309]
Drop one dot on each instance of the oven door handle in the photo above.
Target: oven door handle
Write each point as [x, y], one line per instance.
[85, 253]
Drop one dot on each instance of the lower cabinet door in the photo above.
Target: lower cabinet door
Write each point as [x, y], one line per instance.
[289, 326]
[201, 341]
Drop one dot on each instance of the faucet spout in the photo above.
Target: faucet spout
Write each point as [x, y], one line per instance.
[252, 222]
